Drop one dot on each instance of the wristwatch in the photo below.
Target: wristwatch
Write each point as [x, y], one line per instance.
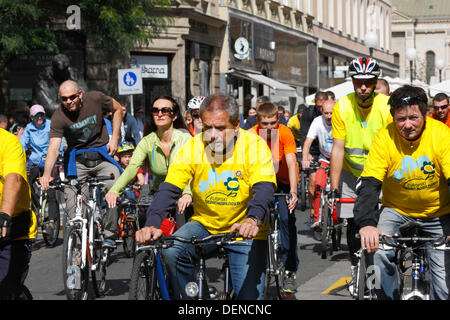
[257, 220]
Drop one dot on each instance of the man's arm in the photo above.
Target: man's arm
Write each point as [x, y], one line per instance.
[306, 157]
[11, 189]
[336, 162]
[291, 161]
[116, 123]
[52, 156]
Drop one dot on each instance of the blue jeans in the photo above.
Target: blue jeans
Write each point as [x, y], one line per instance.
[438, 261]
[247, 264]
[288, 231]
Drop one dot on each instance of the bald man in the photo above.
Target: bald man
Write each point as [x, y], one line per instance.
[79, 119]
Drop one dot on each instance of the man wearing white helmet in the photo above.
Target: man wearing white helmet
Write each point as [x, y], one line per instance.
[357, 117]
[194, 108]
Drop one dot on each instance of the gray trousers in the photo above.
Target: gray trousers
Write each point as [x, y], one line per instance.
[105, 168]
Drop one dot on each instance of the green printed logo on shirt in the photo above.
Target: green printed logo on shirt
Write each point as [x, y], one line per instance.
[416, 175]
[219, 188]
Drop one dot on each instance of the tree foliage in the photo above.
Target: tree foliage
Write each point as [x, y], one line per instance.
[114, 25]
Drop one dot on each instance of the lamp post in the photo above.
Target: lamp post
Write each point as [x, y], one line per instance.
[440, 64]
[371, 40]
[411, 55]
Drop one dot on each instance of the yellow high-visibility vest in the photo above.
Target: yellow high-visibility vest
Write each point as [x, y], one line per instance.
[360, 133]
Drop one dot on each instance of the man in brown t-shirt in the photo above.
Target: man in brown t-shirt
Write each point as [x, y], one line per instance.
[89, 149]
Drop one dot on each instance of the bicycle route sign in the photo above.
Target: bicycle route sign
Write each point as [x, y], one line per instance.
[130, 81]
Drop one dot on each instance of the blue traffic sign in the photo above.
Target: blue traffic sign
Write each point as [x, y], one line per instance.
[129, 79]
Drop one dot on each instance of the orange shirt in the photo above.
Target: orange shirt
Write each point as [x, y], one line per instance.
[447, 122]
[281, 143]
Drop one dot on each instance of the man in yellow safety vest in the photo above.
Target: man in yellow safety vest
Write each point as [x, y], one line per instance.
[357, 117]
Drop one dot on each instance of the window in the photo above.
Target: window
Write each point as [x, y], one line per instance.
[396, 59]
[430, 65]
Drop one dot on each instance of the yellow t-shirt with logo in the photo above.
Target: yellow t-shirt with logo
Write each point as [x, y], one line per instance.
[12, 160]
[414, 174]
[222, 189]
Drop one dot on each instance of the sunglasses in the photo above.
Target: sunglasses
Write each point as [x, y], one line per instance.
[39, 115]
[440, 107]
[164, 111]
[71, 98]
[196, 115]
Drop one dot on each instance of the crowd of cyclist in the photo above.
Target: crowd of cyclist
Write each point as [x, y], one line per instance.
[219, 170]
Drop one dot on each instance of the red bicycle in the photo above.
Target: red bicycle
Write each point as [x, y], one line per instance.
[127, 226]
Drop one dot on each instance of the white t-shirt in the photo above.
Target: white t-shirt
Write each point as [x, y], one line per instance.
[320, 129]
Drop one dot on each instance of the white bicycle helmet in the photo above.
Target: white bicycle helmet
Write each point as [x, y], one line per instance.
[195, 102]
[364, 68]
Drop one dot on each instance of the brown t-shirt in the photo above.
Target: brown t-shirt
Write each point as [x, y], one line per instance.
[84, 128]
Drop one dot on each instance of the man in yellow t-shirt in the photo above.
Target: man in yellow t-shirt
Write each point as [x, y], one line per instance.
[409, 160]
[357, 117]
[17, 222]
[232, 182]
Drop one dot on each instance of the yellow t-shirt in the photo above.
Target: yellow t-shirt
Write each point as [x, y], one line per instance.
[414, 174]
[221, 191]
[294, 125]
[12, 160]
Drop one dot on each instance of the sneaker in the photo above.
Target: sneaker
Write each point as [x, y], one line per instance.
[109, 243]
[351, 286]
[290, 282]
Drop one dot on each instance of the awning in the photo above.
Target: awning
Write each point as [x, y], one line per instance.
[281, 89]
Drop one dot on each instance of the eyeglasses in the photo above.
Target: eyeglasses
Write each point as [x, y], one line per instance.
[71, 98]
[39, 115]
[440, 107]
[164, 111]
[412, 100]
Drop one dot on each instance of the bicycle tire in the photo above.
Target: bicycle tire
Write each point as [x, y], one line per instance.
[303, 189]
[50, 241]
[360, 286]
[325, 231]
[143, 282]
[72, 257]
[129, 240]
[98, 275]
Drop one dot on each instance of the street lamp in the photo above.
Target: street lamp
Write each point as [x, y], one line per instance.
[440, 64]
[411, 55]
[371, 40]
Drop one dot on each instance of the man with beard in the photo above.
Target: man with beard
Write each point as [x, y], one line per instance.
[232, 180]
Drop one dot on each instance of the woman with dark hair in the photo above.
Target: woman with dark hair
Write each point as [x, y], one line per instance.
[164, 135]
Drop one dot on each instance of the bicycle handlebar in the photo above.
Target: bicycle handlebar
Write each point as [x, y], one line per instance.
[398, 241]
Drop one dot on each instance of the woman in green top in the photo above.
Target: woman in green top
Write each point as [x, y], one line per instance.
[159, 147]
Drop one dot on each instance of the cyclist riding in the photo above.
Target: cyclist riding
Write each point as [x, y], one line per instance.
[36, 138]
[357, 117]
[320, 128]
[409, 160]
[17, 222]
[231, 192]
[160, 147]
[282, 144]
[89, 149]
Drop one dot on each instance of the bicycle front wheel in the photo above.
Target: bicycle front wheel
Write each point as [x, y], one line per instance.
[99, 261]
[129, 240]
[325, 231]
[52, 228]
[78, 275]
[143, 282]
[303, 188]
[275, 272]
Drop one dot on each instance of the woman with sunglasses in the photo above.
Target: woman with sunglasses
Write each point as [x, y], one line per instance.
[164, 135]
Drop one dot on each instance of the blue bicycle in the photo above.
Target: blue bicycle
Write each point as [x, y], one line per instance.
[149, 277]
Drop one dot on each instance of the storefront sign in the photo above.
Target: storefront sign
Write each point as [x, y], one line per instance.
[265, 54]
[151, 66]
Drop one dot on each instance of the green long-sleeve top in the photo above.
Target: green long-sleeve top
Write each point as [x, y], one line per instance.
[150, 147]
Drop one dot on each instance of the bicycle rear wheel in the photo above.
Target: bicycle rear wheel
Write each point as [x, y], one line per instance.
[72, 265]
[129, 240]
[143, 282]
[100, 261]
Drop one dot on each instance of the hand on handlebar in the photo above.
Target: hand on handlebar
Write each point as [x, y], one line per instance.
[148, 234]
[45, 182]
[306, 164]
[247, 229]
[111, 199]
[370, 238]
[292, 201]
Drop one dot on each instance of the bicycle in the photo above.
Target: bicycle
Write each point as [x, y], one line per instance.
[149, 280]
[127, 225]
[330, 229]
[40, 208]
[83, 241]
[275, 266]
[303, 183]
[408, 245]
